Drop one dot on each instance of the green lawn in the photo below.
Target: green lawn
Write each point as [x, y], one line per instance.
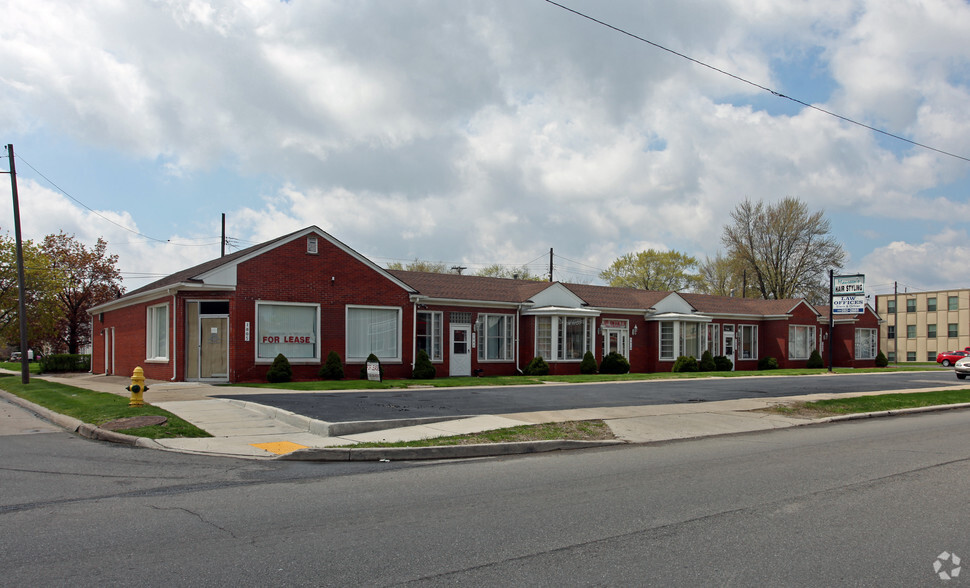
[877, 403]
[594, 430]
[33, 366]
[97, 408]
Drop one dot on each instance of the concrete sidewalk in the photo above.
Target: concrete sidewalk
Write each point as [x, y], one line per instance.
[249, 430]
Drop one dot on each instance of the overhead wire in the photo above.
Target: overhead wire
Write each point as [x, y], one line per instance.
[756, 85]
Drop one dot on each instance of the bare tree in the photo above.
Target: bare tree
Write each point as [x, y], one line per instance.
[786, 248]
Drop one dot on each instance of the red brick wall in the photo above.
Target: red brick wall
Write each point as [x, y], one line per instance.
[130, 341]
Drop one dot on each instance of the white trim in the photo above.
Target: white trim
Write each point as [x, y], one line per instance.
[318, 344]
[151, 334]
[400, 333]
[561, 311]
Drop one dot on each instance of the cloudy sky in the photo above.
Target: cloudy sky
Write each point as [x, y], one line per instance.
[475, 133]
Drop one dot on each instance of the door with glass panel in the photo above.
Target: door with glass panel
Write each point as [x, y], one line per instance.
[460, 360]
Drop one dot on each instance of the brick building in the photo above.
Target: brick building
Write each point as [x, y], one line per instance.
[306, 294]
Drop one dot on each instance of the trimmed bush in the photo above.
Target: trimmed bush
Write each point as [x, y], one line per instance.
[881, 360]
[280, 371]
[333, 369]
[722, 363]
[614, 363]
[537, 367]
[65, 362]
[767, 363]
[588, 366]
[363, 369]
[685, 363]
[423, 368]
[814, 360]
[707, 363]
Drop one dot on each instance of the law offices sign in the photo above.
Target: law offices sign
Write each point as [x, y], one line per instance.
[849, 294]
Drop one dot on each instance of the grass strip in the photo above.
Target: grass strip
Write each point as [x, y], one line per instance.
[323, 385]
[97, 408]
[876, 403]
[592, 430]
[14, 366]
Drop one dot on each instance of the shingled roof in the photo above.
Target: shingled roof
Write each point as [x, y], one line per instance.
[480, 288]
[609, 297]
[709, 304]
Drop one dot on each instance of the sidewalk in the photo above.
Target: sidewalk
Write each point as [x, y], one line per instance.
[248, 430]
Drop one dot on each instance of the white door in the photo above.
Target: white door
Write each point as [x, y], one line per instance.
[460, 362]
[616, 340]
[728, 331]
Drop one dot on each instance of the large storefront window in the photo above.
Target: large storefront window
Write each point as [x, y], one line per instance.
[865, 343]
[690, 341]
[573, 336]
[748, 342]
[683, 338]
[373, 329]
[428, 332]
[290, 329]
[801, 341]
[157, 333]
[495, 337]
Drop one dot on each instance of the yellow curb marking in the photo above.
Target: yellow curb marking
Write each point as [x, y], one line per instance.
[279, 447]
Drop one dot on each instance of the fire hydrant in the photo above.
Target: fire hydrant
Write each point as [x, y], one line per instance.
[137, 387]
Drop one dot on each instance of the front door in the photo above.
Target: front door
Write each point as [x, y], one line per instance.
[728, 331]
[616, 341]
[214, 348]
[460, 362]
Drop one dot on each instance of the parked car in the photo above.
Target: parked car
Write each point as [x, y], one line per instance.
[948, 358]
[962, 368]
[15, 356]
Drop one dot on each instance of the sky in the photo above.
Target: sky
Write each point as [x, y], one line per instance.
[477, 133]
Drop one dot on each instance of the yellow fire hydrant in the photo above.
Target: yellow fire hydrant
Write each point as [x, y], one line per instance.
[137, 387]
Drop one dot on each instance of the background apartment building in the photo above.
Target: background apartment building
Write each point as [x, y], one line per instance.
[918, 325]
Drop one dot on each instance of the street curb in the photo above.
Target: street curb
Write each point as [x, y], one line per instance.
[77, 426]
[438, 452]
[885, 413]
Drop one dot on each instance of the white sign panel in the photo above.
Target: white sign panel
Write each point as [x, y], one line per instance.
[849, 305]
[849, 285]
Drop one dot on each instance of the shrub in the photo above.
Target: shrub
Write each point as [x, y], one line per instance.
[707, 363]
[722, 363]
[881, 360]
[685, 363]
[767, 363]
[65, 362]
[280, 371]
[332, 369]
[588, 366]
[614, 363]
[363, 369]
[814, 360]
[423, 368]
[537, 367]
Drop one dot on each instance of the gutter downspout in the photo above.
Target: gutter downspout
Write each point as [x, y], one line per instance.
[174, 333]
[414, 330]
[518, 334]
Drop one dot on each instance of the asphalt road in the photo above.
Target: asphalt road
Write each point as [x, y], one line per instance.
[447, 402]
[867, 503]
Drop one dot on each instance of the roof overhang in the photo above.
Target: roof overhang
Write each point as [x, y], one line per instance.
[561, 311]
[157, 293]
[419, 299]
[679, 316]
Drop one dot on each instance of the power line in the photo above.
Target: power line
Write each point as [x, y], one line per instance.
[756, 85]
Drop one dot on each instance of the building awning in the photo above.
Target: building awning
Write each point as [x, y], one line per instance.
[679, 316]
[561, 311]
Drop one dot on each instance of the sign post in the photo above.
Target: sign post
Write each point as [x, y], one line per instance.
[847, 295]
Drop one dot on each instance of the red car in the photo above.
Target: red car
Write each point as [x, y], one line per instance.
[948, 358]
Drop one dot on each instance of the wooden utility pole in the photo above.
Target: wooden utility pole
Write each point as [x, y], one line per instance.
[21, 280]
[550, 264]
[223, 235]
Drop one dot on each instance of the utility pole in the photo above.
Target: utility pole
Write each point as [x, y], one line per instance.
[459, 268]
[895, 323]
[223, 235]
[21, 280]
[831, 315]
[550, 264]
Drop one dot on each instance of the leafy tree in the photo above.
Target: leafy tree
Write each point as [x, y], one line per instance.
[652, 270]
[42, 287]
[88, 277]
[501, 271]
[787, 249]
[420, 266]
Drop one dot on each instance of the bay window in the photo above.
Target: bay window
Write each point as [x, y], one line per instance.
[689, 338]
[564, 338]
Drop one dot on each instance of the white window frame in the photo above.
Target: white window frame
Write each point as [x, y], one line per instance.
[293, 360]
[508, 335]
[870, 352]
[396, 358]
[557, 337]
[152, 351]
[740, 345]
[435, 323]
[672, 339]
[798, 354]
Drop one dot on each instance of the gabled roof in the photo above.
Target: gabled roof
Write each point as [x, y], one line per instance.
[222, 270]
[478, 288]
